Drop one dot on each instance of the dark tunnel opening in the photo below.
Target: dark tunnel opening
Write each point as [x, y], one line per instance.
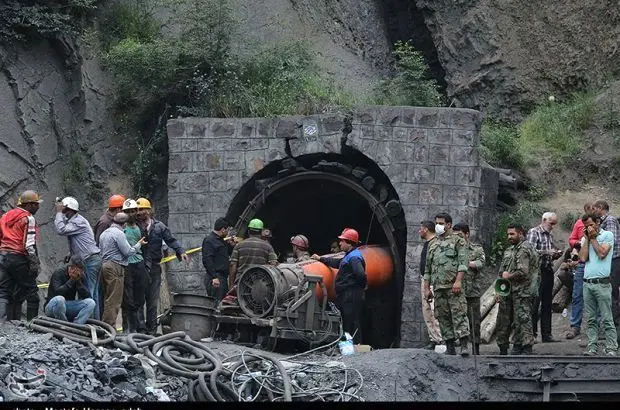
[319, 205]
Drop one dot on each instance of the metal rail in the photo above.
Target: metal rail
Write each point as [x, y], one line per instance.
[552, 359]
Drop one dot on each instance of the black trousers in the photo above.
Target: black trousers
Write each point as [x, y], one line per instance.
[220, 291]
[542, 304]
[350, 303]
[134, 294]
[473, 316]
[17, 284]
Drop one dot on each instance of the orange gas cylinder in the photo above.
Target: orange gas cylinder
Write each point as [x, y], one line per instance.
[379, 269]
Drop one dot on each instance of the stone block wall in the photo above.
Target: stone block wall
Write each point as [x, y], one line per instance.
[429, 154]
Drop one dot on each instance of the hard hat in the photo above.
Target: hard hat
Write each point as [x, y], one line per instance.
[28, 197]
[143, 203]
[300, 241]
[116, 201]
[350, 235]
[256, 224]
[71, 203]
[130, 204]
[502, 287]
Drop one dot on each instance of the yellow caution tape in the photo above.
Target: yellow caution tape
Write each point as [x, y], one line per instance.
[43, 285]
[172, 257]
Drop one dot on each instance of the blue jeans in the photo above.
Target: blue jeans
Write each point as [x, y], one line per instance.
[76, 311]
[92, 279]
[576, 310]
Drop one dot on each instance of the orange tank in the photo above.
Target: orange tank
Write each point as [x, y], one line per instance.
[379, 269]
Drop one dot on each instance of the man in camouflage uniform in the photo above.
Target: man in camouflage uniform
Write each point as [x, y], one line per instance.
[471, 284]
[446, 264]
[521, 267]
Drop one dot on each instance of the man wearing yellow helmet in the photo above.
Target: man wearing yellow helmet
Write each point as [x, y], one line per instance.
[157, 233]
[252, 251]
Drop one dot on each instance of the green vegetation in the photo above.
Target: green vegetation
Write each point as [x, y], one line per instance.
[568, 221]
[411, 83]
[499, 145]
[555, 130]
[21, 20]
[552, 131]
[194, 73]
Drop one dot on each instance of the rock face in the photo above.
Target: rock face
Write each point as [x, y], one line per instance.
[426, 158]
[55, 134]
[504, 57]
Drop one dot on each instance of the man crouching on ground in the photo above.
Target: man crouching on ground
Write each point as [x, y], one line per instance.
[64, 284]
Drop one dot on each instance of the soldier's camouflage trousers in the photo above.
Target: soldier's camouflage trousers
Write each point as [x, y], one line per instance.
[451, 313]
[515, 315]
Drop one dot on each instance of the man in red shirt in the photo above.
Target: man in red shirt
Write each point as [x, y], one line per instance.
[19, 261]
[576, 310]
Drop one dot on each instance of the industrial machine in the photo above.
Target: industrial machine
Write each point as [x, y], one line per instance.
[292, 301]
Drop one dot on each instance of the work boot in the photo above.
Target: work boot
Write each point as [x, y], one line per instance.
[516, 350]
[526, 350]
[32, 311]
[464, 346]
[450, 348]
[503, 350]
[430, 346]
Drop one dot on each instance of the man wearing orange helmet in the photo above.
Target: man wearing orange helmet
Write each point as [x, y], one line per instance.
[300, 248]
[115, 205]
[350, 282]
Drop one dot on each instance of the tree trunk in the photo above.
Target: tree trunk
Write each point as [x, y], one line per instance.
[487, 300]
[487, 328]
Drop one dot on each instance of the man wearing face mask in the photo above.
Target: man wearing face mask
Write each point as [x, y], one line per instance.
[542, 240]
[427, 233]
[471, 284]
[19, 260]
[75, 227]
[446, 265]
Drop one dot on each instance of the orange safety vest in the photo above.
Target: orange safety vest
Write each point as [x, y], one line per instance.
[18, 232]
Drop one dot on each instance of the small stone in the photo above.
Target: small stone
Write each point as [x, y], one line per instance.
[571, 373]
[117, 373]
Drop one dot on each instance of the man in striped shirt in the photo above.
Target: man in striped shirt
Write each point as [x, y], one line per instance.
[609, 223]
[542, 240]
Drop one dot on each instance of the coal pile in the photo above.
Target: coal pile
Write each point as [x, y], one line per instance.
[70, 371]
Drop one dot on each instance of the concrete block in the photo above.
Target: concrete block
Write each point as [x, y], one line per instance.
[408, 194]
[378, 151]
[259, 143]
[411, 331]
[464, 156]
[401, 152]
[175, 129]
[430, 194]
[388, 116]
[444, 174]
[204, 145]
[248, 130]
[420, 173]
[367, 132]
[463, 214]
[415, 214]
[467, 138]
[188, 182]
[265, 128]
[288, 128]
[202, 161]
[180, 162]
[182, 145]
[179, 223]
[455, 195]
[201, 222]
[222, 144]
[400, 134]
[466, 119]
[223, 181]
[185, 202]
[417, 135]
[332, 124]
[240, 144]
[364, 115]
[196, 130]
[254, 161]
[468, 176]
[331, 143]
[439, 154]
[234, 160]
[223, 128]
[419, 153]
[427, 118]
[445, 118]
[220, 201]
[397, 173]
[439, 136]
[408, 311]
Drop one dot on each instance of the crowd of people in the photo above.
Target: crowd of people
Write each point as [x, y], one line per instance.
[115, 265]
[451, 265]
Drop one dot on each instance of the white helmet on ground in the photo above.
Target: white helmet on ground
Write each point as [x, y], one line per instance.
[71, 203]
[130, 204]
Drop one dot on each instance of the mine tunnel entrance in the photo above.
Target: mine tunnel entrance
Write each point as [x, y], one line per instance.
[318, 196]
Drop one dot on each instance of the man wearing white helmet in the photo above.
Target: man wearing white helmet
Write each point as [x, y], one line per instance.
[136, 277]
[75, 227]
[300, 248]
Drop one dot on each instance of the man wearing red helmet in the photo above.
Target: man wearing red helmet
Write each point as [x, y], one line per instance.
[300, 248]
[350, 282]
[115, 205]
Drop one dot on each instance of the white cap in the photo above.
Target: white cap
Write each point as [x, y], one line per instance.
[71, 203]
[130, 204]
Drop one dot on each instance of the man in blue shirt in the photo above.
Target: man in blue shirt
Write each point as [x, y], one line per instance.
[597, 253]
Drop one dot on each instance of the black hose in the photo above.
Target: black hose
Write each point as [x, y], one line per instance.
[205, 389]
[160, 339]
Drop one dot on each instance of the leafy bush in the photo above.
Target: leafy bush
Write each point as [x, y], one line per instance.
[499, 145]
[130, 19]
[411, 83]
[568, 221]
[555, 130]
[40, 18]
